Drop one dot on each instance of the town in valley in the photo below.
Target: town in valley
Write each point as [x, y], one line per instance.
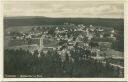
[66, 49]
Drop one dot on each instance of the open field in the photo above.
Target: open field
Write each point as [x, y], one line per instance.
[18, 29]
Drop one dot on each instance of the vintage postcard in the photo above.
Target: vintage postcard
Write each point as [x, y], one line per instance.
[63, 39]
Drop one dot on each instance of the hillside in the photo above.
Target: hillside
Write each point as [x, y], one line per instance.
[28, 21]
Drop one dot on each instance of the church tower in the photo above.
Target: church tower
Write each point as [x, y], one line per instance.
[41, 42]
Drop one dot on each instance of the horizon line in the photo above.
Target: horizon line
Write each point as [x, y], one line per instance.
[67, 17]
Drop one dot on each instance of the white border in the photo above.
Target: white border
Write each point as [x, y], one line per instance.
[1, 40]
[69, 79]
[125, 39]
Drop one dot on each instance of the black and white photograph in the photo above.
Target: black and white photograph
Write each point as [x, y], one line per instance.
[63, 39]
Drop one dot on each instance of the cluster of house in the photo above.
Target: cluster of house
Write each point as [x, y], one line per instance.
[67, 38]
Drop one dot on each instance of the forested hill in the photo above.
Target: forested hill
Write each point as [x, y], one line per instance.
[27, 21]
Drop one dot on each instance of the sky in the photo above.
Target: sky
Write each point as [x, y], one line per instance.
[64, 9]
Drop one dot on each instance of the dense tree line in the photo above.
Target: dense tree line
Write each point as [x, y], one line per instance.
[78, 64]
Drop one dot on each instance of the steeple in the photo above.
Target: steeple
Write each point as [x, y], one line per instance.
[41, 42]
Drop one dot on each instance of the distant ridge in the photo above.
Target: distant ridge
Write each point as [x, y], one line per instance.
[42, 20]
[25, 17]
